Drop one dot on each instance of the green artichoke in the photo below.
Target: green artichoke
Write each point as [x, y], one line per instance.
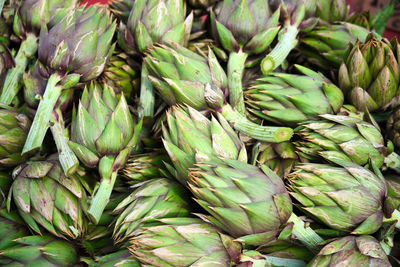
[155, 199]
[155, 21]
[249, 203]
[121, 74]
[288, 99]
[103, 134]
[324, 46]
[332, 10]
[39, 250]
[351, 251]
[75, 50]
[243, 28]
[184, 77]
[187, 132]
[143, 167]
[346, 137]
[14, 127]
[45, 196]
[29, 18]
[369, 75]
[280, 157]
[183, 242]
[349, 198]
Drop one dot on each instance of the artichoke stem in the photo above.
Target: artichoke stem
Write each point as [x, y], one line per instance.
[263, 133]
[43, 114]
[279, 53]
[395, 216]
[13, 80]
[69, 162]
[102, 196]
[146, 105]
[305, 234]
[277, 261]
[236, 66]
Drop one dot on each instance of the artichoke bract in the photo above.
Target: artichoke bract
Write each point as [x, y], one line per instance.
[46, 197]
[152, 200]
[151, 22]
[39, 250]
[324, 46]
[188, 132]
[103, 134]
[184, 77]
[122, 258]
[288, 99]
[184, 242]
[11, 228]
[349, 198]
[243, 28]
[75, 50]
[249, 203]
[29, 18]
[14, 128]
[370, 75]
[362, 250]
[346, 137]
[121, 8]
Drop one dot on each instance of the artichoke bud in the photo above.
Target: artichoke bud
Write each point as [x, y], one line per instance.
[358, 250]
[240, 179]
[370, 74]
[84, 45]
[247, 25]
[45, 196]
[348, 198]
[32, 15]
[154, 21]
[332, 10]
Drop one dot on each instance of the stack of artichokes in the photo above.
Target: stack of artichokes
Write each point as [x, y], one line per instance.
[198, 133]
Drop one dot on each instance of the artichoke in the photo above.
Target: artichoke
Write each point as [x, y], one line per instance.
[188, 132]
[249, 203]
[39, 250]
[75, 50]
[155, 199]
[369, 75]
[45, 196]
[184, 77]
[103, 134]
[324, 46]
[243, 28]
[332, 10]
[14, 127]
[348, 198]
[183, 242]
[351, 251]
[29, 18]
[344, 136]
[143, 167]
[288, 99]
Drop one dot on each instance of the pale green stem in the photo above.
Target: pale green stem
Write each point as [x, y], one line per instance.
[305, 234]
[43, 114]
[235, 73]
[395, 216]
[102, 196]
[263, 133]
[13, 80]
[280, 52]
[69, 162]
[146, 105]
[275, 261]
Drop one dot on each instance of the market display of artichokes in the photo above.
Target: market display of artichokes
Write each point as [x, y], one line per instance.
[232, 133]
